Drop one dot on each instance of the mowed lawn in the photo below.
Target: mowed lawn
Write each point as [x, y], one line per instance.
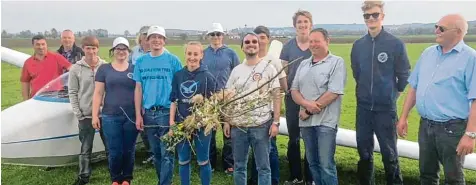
[346, 158]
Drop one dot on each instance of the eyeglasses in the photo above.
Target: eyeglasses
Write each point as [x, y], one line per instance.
[215, 34]
[374, 15]
[252, 41]
[443, 29]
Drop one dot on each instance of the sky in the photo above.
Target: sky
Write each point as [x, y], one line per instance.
[118, 16]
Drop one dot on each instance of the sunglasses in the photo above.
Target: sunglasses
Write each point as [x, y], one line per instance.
[215, 34]
[252, 41]
[443, 29]
[374, 15]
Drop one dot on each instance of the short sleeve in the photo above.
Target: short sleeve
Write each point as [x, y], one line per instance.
[338, 78]
[470, 80]
[413, 79]
[272, 72]
[295, 84]
[101, 74]
[178, 64]
[25, 75]
[65, 64]
[279, 66]
[284, 52]
[137, 74]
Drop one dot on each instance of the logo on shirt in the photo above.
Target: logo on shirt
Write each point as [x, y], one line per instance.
[382, 57]
[129, 75]
[257, 76]
[188, 88]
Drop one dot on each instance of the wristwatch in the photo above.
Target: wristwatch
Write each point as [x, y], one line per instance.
[276, 123]
[472, 135]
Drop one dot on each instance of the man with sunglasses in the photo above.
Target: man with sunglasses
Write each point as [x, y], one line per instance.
[260, 124]
[220, 60]
[380, 68]
[443, 88]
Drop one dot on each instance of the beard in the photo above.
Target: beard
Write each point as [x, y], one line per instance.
[251, 54]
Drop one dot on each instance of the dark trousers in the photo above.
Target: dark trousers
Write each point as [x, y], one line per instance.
[86, 137]
[382, 123]
[438, 142]
[227, 153]
[294, 144]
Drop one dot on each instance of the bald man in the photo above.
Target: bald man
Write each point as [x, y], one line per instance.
[443, 87]
[68, 48]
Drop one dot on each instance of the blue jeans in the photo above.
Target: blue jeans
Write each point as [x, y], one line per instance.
[320, 143]
[382, 123]
[273, 163]
[164, 160]
[202, 148]
[258, 138]
[121, 135]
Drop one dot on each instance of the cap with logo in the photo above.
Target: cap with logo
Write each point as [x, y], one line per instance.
[216, 27]
[156, 30]
[120, 40]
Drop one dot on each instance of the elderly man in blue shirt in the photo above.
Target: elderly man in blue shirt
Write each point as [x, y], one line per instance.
[443, 87]
[220, 60]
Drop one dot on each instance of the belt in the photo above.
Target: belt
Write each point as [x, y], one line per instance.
[451, 121]
[156, 108]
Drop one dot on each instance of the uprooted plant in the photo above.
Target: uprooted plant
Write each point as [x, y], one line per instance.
[209, 113]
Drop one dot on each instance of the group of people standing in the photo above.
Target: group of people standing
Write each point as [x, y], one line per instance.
[146, 90]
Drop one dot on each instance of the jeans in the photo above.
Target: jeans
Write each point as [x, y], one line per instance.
[258, 138]
[164, 160]
[273, 163]
[202, 147]
[320, 142]
[294, 144]
[227, 153]
[86, 137]
[121, 135]
[438, 142]
[382, 123]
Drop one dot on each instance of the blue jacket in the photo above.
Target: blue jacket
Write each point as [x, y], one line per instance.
[186, 84]
[380, 68]
[220, 63]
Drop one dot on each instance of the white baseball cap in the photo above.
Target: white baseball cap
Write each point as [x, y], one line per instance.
[120, 40]
[216, 27]
[156, 30]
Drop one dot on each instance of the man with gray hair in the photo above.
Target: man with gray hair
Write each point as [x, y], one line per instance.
[443, 88]
[318, 88]
[68, 48]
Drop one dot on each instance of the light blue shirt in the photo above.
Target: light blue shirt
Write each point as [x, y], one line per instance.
[444, 83]
[155, 74]
[137, 52]
[220, 63]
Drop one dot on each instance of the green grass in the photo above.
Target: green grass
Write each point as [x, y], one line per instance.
[346, 158]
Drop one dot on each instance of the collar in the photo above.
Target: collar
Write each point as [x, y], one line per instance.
[222, 47]
[458, 47]
[321, 61]
[46, 56]
[378, 35]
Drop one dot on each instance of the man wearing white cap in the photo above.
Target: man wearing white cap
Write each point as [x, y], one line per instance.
[153, 74]
[220, 60]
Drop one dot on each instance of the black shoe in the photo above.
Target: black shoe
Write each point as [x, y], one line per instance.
[80, 182]
[252, 182]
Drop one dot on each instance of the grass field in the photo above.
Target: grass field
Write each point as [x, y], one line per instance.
[346, 158]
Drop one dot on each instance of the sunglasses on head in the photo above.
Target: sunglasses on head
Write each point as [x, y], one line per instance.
[252, 41]
[215, 34]
[374, 15]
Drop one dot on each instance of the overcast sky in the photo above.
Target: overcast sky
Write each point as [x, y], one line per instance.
[117, 16]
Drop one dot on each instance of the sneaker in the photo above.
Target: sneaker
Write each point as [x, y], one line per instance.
[149, 160]
[294, 182]
[229, 171]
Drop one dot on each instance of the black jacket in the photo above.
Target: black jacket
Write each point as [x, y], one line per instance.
[380, 68]
[76, 54]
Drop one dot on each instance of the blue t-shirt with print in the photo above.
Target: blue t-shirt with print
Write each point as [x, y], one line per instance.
[118, 88]
[155, 74]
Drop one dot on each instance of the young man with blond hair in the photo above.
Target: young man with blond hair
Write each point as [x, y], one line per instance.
[293, 49]
[380, 68]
